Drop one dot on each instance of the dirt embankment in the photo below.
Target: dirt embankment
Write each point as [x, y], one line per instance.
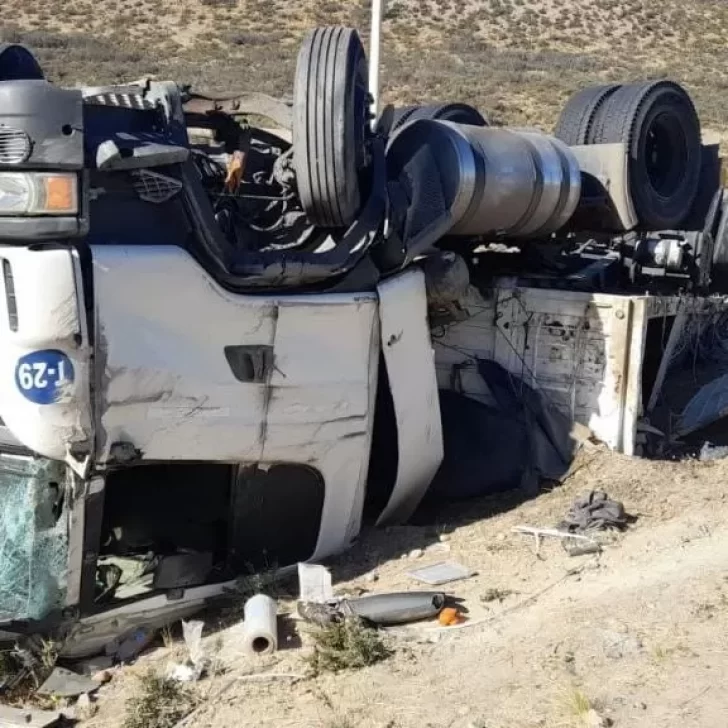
[636, 635]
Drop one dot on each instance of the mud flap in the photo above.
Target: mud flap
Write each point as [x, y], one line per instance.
[410, 363]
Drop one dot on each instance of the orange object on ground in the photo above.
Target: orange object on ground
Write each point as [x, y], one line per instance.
[450, 616]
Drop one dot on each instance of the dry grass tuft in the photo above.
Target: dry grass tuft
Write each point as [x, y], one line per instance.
[347, 645]
[159, 703]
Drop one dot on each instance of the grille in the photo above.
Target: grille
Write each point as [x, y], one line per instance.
[123, 100]
[15, 146]
[155, 187]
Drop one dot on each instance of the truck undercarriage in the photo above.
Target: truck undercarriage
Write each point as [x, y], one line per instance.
[217, 335]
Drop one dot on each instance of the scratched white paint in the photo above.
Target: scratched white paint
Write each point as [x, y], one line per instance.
[584, 352]
[49, 297]
[168, 389]
[573, 347]
[410, 365]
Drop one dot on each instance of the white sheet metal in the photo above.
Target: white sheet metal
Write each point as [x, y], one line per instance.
[44, 371]
[585, 352]
[609, 164]
[573, 347]
[168, 390]
[409, 358]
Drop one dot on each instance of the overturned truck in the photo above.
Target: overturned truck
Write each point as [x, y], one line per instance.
[217, 336]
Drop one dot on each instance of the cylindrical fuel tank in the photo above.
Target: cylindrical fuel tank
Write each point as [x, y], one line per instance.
[493, 181]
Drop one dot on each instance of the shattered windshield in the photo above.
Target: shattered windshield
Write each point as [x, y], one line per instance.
[33, 537]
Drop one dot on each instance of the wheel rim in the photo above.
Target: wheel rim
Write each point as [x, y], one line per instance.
[666, 154]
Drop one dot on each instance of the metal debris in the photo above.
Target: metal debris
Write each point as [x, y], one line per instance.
[574, 544]
[63, 683]
[441, 573]
[27, 718]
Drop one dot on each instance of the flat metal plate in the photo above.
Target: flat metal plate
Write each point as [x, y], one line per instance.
[442, 573]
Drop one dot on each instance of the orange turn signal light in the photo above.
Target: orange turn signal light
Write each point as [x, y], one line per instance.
[60, 194]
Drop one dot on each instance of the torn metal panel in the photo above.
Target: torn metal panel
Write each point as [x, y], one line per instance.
[410, 363]
[44, 373]
[583, 351]
[570, 346]
[89, 636]
[33, 538]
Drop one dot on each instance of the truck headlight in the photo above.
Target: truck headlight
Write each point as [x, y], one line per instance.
[38, 193]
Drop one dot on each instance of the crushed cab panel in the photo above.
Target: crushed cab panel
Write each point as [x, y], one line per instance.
[188, 371]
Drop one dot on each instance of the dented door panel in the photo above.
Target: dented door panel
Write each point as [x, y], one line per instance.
[410, 362]
[189, 371]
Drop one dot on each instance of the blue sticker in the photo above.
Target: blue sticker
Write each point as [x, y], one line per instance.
[41, 375]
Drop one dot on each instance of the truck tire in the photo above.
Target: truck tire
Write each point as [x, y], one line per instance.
[659, 124]
[17, 63]
[459, 113]
[330, 116]
[401, 115]
[577, 118]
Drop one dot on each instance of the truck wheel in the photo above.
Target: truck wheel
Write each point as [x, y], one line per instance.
[401, 115]
[459, 113]
[577, 118]
[659, 124]
[330, 116]
[17, 63]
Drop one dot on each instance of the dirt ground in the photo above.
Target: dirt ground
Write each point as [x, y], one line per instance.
[637, 633]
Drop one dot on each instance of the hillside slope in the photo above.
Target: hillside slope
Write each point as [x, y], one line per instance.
[516, 59]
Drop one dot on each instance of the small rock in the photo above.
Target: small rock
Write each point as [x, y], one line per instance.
[85, 708]
[618, 645]
[640, 706]
[444, 537]
[102, 677]
[62, 683]
[500, 537]
[370, 578]
[463, 711]
[416, 553]
[439, 548]
[594, 720]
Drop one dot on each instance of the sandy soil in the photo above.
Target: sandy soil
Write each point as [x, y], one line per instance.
[637, 633]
